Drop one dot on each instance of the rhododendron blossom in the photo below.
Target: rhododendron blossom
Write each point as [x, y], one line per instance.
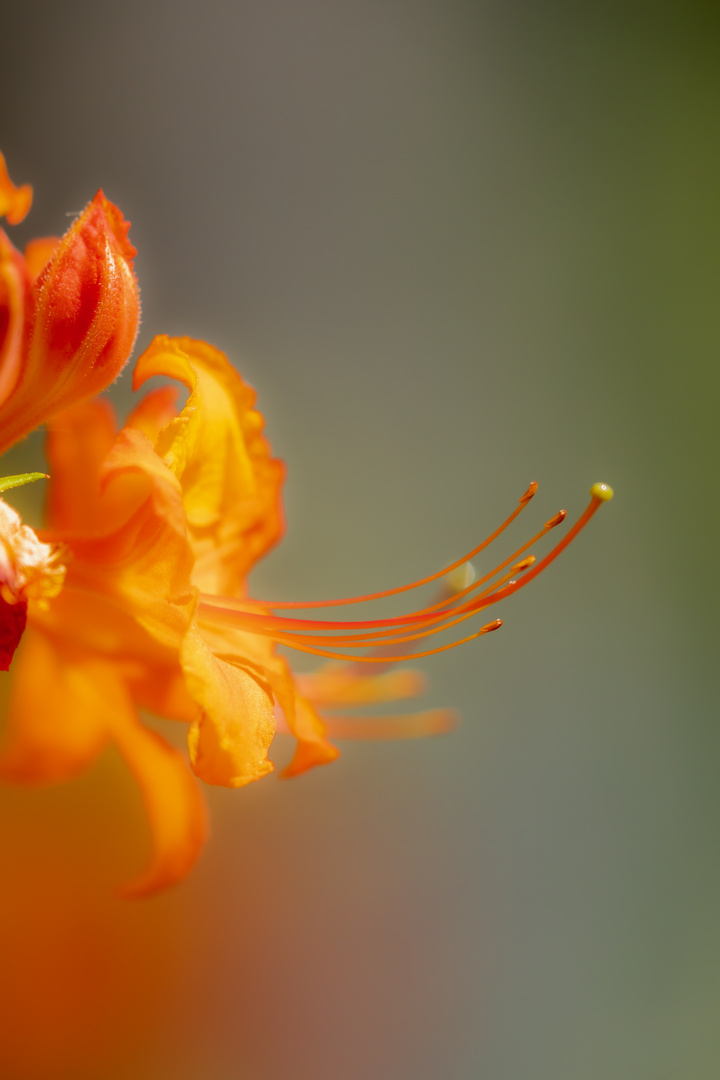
[156, 526]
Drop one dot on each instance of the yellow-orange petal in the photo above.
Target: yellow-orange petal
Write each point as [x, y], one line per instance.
[231, 484]
[66, 704]
[337, 685]
[128, 593]
[313, 747]
[15, 202]
[257, 655]
[139, 567]
[419, 725]
[82, 321]
[56, 721]
[154, 412]
[172, 799]
[229, 741]
[160, 689]
[78, 442]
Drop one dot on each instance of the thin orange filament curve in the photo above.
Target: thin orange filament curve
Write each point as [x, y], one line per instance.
[524, 500]
[304, 634]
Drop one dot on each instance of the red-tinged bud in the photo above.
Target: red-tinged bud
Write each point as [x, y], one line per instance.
[81, 324]
[14, 286]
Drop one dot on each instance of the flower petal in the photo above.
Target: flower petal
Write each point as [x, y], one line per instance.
[229, 741]
[78, 442]
[65, 706]
[231, 485]
[15, 202]
[419, 725]
[58, 704]
[82, 321]
[127, 596]
[313, 747]
[154, 412]
[344, 685]
[173, 803]
[257, 654]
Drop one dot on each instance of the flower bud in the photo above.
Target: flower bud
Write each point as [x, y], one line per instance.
[14, 287]
[82, 318]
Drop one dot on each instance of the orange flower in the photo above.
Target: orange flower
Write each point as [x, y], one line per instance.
[162, 522]
[158, 526]
[69, 312]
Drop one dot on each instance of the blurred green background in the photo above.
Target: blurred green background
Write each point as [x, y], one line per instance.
[456, 247]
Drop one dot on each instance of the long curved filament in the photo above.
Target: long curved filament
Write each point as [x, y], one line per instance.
[524, 500]
[304, 634]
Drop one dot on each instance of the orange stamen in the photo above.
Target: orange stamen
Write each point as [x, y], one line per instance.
[388, 659]
[230, 609]
[303, 634]
[524, 500]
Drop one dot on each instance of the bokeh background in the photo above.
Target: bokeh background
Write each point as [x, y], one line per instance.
[456, 246]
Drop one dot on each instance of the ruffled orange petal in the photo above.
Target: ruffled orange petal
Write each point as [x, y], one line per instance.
[159, 688]
[127, 593]
[143, 534]
[231, 485]
[313, 747]
[419, 725]
[59, 700]
[154, 412]
[66, 705]
[78, 442]
[82, 321]
[257, 654]
[342, 685]
[15, 202]
[172, 799]
[230, 739]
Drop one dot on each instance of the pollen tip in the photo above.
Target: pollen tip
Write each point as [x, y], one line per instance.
[602, 491]
[529, 493]
[557, 520]
[525, 564]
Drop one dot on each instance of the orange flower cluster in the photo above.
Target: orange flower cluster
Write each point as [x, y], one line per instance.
[140, 597]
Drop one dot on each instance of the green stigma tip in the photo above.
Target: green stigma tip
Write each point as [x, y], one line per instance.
[602, 491]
